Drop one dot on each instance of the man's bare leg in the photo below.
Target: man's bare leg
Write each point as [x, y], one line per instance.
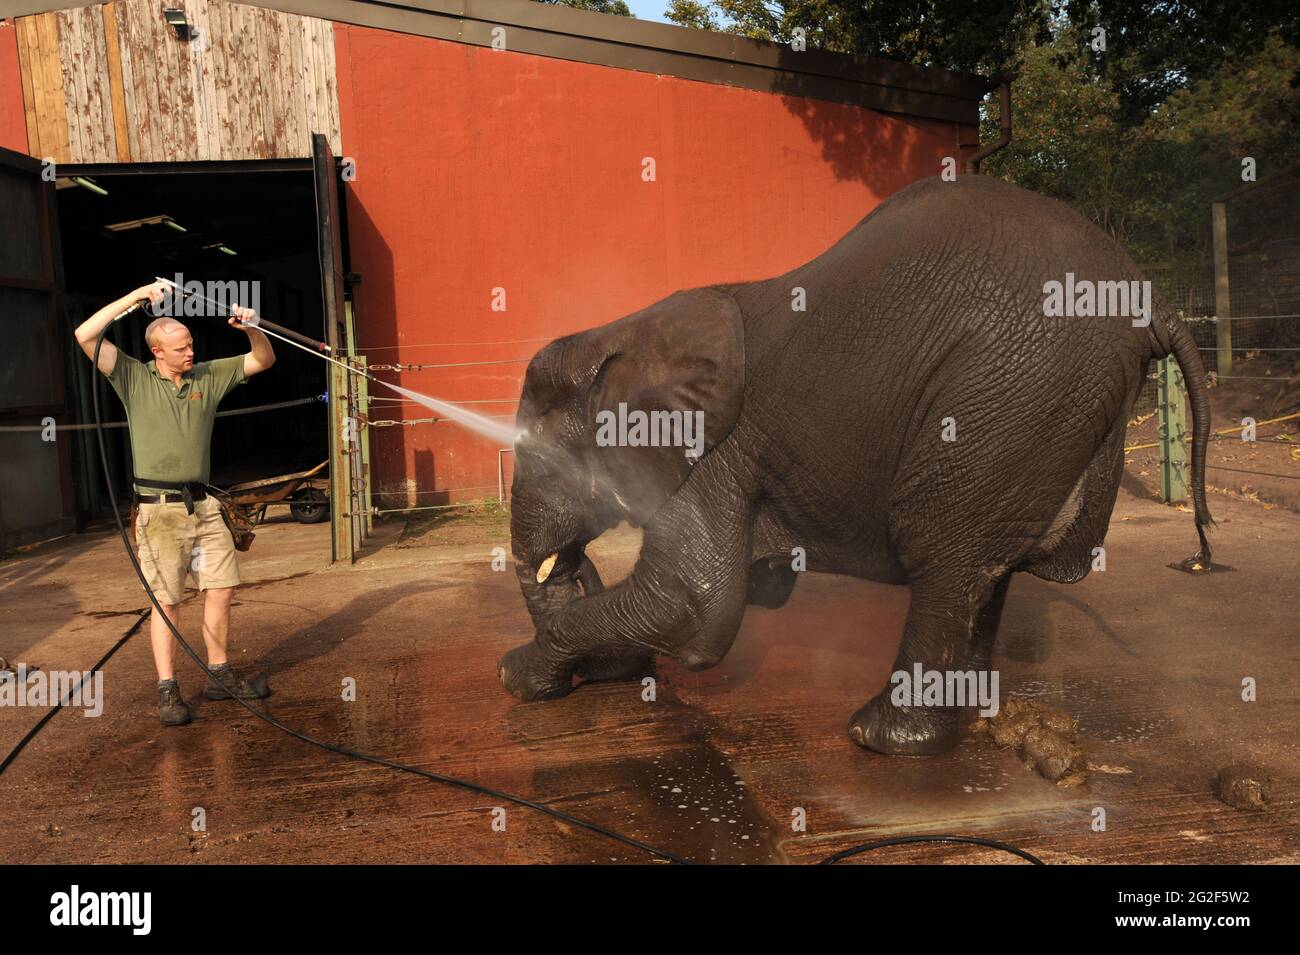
[216, 623]
[164, 645]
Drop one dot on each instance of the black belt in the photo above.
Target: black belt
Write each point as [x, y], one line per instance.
[191, 491]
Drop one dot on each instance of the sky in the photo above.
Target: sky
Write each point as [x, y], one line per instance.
[649, 9]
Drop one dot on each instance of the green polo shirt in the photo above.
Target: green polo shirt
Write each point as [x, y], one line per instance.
[171, 428]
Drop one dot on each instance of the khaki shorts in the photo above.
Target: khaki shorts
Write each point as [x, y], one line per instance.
[177, 547]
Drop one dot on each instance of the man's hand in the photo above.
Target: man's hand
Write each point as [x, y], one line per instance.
[262, 356]
[88, 331]
[241, 316]
[155, 292]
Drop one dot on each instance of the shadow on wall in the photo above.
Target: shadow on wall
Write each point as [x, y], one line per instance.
[374, 316]
[877, 149]
[425, 474]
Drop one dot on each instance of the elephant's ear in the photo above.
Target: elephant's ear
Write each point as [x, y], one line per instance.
[685, 354]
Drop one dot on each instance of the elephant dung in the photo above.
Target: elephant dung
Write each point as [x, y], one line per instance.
[1243, 787]
[1045, 738]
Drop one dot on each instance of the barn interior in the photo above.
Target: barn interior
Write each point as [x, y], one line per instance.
[120, 228]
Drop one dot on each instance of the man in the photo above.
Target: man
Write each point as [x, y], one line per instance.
[171, 403]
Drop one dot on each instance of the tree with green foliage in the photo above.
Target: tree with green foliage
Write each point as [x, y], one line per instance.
[692, 13]
[969, 35]
[1154, 48]
[616, 7]
[1137, 113]
[1149, 186]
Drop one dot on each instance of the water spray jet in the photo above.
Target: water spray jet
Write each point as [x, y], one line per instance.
[493, 430]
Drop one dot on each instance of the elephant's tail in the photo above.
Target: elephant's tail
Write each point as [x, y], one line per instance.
[1189, 361]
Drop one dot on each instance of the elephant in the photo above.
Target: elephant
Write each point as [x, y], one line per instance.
[925, 418]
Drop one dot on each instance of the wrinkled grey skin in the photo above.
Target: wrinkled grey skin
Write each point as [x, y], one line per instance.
[823, 431]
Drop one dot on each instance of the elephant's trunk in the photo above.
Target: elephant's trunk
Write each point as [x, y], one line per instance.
[574, 576]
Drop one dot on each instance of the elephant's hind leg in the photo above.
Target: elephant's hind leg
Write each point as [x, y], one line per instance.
[902, 720]
[985, 631]
[1067, 551]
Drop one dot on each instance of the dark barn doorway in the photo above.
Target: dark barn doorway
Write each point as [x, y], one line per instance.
[248, 222]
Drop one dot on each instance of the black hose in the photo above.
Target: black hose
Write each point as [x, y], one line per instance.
[909, 840]
[311, 740]
[403, 767]
[40, 724]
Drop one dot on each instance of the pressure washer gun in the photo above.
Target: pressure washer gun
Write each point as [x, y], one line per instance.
[255, 322]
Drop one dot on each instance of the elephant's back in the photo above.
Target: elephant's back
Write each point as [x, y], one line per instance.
[973, 225]
[938, 267]
[935, 297]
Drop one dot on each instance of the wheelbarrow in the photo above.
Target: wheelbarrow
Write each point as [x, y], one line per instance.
[304, 492]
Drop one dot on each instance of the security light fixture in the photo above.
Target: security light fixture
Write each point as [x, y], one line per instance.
[176, 19]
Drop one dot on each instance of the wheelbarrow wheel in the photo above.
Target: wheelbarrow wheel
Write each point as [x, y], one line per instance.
[310, 506]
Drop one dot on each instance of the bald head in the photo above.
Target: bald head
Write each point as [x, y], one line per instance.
[160, 329]
[171, 344]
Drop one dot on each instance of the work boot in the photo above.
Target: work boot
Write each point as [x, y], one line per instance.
[240, 687]
[172, 710]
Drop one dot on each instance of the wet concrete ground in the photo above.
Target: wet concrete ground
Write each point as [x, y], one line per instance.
[1149, 659]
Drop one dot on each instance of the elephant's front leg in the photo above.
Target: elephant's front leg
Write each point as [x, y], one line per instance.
[534, 672]
[685, 598]
[612, 669]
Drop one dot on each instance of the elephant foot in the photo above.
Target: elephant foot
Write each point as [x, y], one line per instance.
[526, 673]
[904, 731]
[615, 669]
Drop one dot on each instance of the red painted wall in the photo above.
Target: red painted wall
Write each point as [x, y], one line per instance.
[479, 169]
[13, 122]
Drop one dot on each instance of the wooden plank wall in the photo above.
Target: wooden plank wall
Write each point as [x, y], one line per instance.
[113, 83]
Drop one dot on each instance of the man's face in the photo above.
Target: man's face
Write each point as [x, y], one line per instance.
[174, 348]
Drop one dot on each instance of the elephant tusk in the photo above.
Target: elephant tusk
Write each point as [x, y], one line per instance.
[548, 565]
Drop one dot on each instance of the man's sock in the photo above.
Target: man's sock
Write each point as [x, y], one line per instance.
[171, 682]
[219, 667]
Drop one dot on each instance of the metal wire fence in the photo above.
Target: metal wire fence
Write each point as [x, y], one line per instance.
[1245, 316]
[1244, 312]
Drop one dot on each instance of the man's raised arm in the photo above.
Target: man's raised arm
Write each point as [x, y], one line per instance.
[89, 330]
[262, 355]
